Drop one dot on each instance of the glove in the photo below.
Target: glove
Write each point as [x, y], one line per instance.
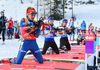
[69, 32]
[36, 24]
[28, 30]
[40, 23]
[54, 28]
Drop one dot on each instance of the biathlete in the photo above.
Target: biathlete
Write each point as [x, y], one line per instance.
[64, 38]
[29, 43]
[90, 27]
[72, 26]
[49, 37]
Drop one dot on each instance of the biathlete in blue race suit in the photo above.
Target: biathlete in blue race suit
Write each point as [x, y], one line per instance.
[49, 37]
[29, 43]
[64, 38]
[72, 26]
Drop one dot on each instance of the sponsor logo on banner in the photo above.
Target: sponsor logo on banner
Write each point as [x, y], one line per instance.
[90, 38]
[98, 34]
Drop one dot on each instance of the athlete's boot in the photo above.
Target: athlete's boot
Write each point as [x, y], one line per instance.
[5, 60]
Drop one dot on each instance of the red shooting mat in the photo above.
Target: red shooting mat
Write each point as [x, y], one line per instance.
[45, 64]
[63, 56]
[78, 51]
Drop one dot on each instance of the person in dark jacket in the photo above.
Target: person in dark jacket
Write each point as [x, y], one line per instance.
[2, 25]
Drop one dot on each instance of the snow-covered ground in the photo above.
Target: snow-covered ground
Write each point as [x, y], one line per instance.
[11, 47]
[13, 8]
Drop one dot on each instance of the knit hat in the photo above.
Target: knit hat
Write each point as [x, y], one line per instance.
[50, 18]
[65, 20]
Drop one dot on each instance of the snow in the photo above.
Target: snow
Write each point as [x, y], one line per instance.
[13, 8]
[11, 47]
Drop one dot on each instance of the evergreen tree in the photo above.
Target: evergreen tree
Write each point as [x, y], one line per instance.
[56, 11]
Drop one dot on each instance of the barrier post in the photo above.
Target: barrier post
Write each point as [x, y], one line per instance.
[97, 44]
[89, 46]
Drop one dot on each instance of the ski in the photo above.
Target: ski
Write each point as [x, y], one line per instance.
[43, 67]
[74, 60]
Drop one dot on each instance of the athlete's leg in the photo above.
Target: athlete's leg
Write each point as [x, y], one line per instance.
[3, 34]
[36, 52]
[22, 52]
[67, 44]
[45, 47]
[61, 43]
[0, 30]
[54, 47]
[73, 36]
[70, 36]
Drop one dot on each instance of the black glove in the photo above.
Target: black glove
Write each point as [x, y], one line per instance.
[53, 28]
[36, 24]
[69, 32]
[28, 30]
[40, 23]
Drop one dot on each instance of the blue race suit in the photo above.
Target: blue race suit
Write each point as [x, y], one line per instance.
[49, 39]
[28, 45]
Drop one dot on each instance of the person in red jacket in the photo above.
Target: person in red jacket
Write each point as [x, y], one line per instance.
[9, 25]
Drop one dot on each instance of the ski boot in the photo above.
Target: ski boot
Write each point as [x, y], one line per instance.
[5, 60]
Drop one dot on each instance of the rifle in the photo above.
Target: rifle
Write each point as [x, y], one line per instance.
[36, 25]
[60, 29]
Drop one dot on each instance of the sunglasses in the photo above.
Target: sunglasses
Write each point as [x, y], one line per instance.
[2, 13]
[33, 13]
